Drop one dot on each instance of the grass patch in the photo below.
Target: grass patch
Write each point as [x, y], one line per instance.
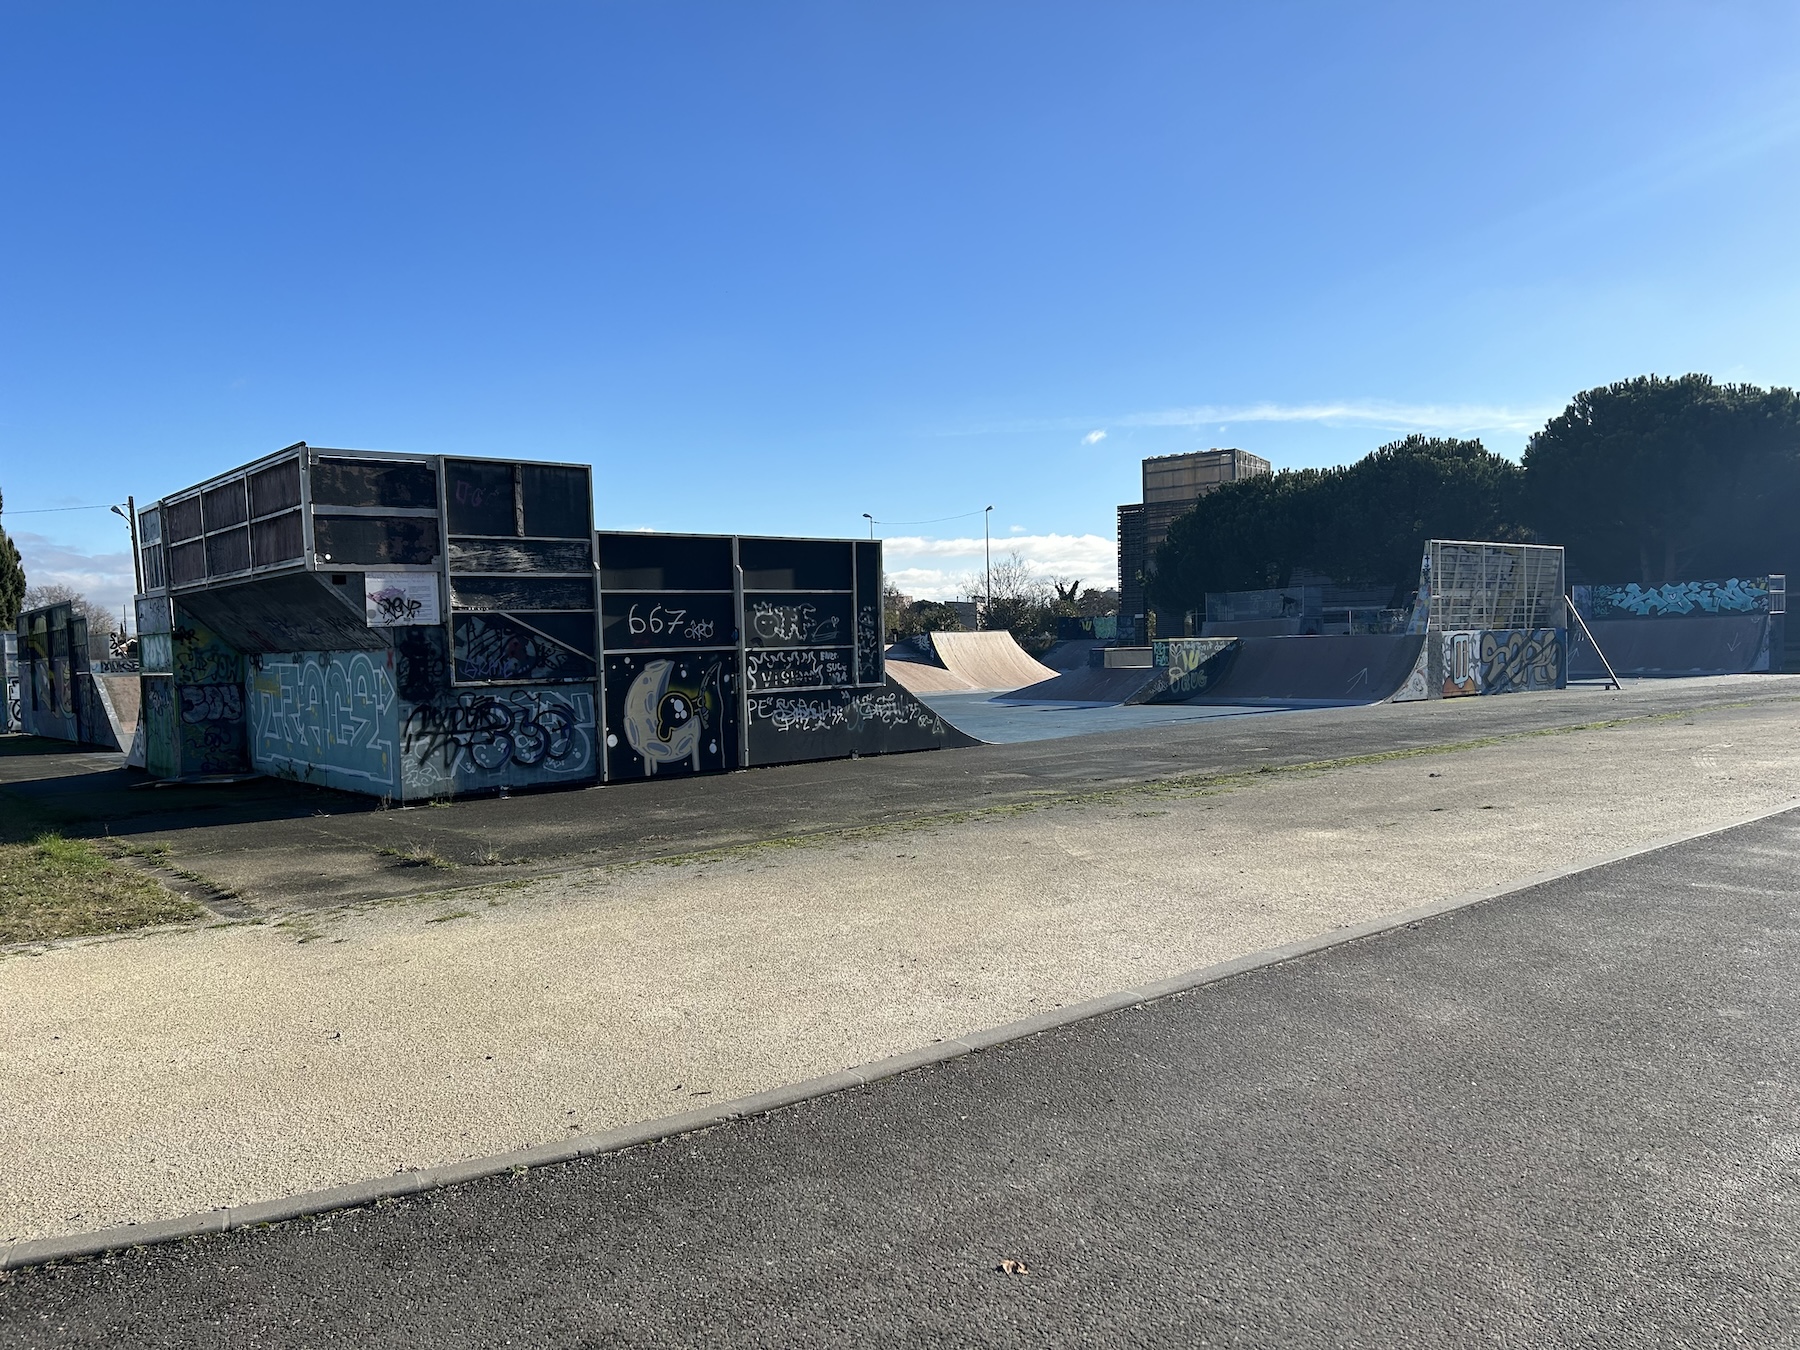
[51, 887]
[416, 855]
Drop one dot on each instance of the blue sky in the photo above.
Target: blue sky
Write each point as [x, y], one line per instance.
[769, 267]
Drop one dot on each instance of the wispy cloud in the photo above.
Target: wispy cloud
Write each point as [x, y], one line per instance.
[1379, 414]
[1445, 417]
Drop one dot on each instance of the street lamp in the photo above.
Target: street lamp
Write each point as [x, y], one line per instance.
[129, 513]
[987, 549]
[871, 519]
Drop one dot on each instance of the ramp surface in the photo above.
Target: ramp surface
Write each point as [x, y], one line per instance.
[1071, 654]
[1089, 684]
[919, 678]
[991, 660]
[1354, 668]
[1703, 644]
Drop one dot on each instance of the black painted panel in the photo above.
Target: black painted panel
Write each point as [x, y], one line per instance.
[666, 622]
[504, 647]
[512, 593]
[480, 497]
[373, 482]
[520, 555]
[558, 501]
[797, 620]
[868, 614]
[664, 562]
[795, 564]
[370, 541]
[786, 728]
[670, 714]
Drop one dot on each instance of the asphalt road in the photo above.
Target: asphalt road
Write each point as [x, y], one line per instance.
[1568, 1116]
[278, 845]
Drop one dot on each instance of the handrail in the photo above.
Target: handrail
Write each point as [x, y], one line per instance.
[1576, 615]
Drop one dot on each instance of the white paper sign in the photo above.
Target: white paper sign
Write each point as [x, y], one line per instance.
[400, 599]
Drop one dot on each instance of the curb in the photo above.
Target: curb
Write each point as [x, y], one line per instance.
[38, 1251]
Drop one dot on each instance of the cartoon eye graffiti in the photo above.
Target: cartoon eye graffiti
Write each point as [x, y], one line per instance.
[662, 727]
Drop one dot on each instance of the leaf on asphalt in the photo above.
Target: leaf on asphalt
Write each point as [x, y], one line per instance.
[1012, 1267]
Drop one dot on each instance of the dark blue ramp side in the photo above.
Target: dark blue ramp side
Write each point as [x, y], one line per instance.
[1700, 644]
[1354, 668]
[1088, 684]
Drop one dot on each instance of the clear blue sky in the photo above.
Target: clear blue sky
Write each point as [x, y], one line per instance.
[770, 266]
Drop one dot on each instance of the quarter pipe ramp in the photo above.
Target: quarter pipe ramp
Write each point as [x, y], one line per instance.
[989, 660]
[1701, 644]
[1353, 668]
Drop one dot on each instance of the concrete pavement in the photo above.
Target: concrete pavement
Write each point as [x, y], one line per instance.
[1570, 1116]
[184, 1070]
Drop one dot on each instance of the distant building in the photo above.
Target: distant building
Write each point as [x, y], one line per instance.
[1172, 484]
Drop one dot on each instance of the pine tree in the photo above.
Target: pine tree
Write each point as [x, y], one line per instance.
[12, 578]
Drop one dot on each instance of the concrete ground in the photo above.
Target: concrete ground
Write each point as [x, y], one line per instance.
[182, 1070]
[270, 846]
[1565, 1117]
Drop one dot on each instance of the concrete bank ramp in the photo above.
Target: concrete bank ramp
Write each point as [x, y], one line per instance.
[991, 660]
[1700, 644]
[1353, 668]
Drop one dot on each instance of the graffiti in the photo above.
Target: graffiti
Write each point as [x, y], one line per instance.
[325, 717]
[890, 710]
[868, 645]
[800, 714]
[1679, 597]
[1185, 660]
[800, 624]
[663, 726]
[498, 647]
[400, 599]
[211, 703]
[797, 668]
[877, 708]
[200, 657]
[548, 733]
[420, 669]
[1517, 659]
[211, 727]
[661, 620]
[1462, 664]
[1418, 682]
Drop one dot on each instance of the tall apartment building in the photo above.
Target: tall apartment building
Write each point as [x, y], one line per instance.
[1172, 484]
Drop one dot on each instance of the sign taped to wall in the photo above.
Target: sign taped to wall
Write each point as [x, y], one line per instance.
[400, 599]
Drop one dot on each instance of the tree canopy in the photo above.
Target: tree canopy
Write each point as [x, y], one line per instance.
[1364, 522]
[1650, 479]
[12, 579]
[1658, 480]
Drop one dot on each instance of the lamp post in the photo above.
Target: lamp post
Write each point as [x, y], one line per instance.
[129, 512]
[871, 519]
[987, 550]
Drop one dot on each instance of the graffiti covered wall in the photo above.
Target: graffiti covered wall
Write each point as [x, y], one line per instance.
[832, 723]
[1517, 659]
[476, 740]
[208, 699]
[330, 718]
[1749, 595]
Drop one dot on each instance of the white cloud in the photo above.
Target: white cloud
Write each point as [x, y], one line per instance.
[1094, 437]
[938, 569]
[1456, 418]
[104, 578]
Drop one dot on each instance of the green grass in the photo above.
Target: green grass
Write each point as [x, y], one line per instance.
[51, 887]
